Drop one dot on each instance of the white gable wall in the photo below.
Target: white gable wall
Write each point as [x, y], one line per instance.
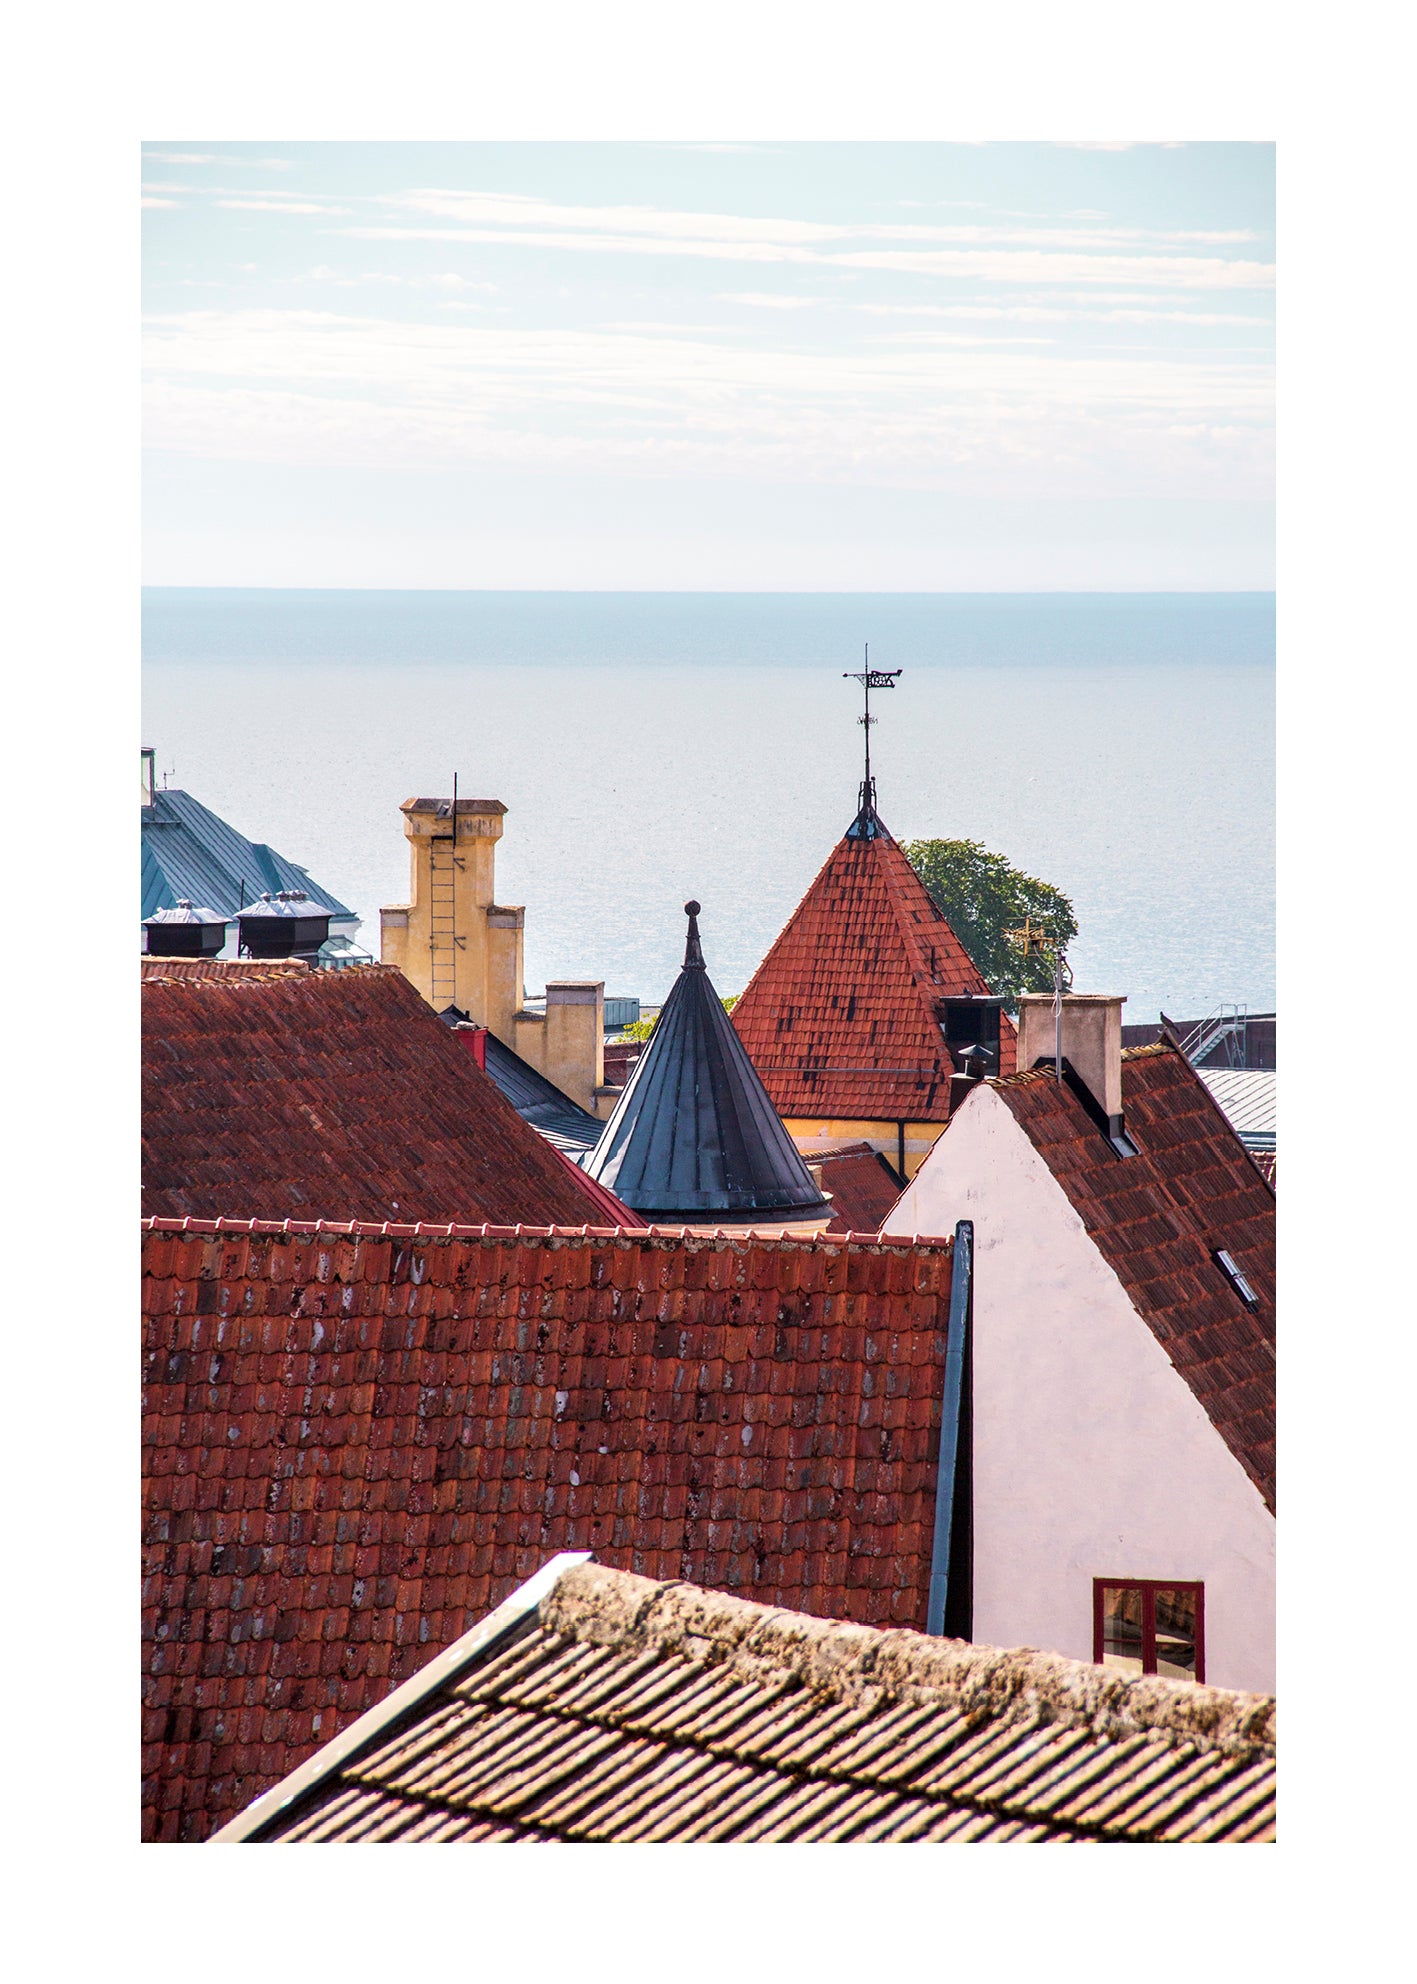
[1092, 1457]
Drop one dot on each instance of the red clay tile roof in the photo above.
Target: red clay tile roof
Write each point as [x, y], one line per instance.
[610, 1210]
[358, 1440]
[840, 1018]
[335, 1095]
[1158, 1217]
[1264, 1162]
[862, 1185]
[221, 967]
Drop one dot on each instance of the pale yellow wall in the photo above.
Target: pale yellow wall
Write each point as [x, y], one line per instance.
[505, 971]
[920, 1138]
[440, 938]
[461, 947]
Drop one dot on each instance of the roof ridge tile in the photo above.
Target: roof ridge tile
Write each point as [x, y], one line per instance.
[600, 1606]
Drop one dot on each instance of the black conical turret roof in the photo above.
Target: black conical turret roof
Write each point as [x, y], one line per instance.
[694, 1131]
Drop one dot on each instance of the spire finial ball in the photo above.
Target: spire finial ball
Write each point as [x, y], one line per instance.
[692, 908]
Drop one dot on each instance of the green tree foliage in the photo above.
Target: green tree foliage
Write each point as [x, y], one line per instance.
[642, 1029]
[983, 896]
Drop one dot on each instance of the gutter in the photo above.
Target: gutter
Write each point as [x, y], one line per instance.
[371, 1727]
[950, 1609]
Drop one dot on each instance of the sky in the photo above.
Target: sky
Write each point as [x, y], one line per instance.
[797, 367]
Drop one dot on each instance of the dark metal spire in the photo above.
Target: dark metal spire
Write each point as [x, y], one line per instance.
[867, 824]
[694, 1131]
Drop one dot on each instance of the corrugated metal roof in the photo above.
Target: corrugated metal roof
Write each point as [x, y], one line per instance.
[539, 1102]
[620, 1710]
[694, 1130]
[1247, 1095]
[188, 851]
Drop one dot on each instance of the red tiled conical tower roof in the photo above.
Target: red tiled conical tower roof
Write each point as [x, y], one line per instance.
[843, 1016]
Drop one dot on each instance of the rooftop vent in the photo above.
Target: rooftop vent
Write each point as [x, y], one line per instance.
[288, 925]
[975, 1062]
[185, 931]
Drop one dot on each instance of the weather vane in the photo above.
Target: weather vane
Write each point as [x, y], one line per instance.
[1034, 937]
[870, 678]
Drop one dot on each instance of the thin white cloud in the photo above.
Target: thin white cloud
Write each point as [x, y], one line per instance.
[1034, 313]
[282, 206]
[1119, 144]
[765, 300]
[348, 279]
[990, 251]
[514, 210]
[148, 201]
[219, 158]
[318, 388]
[1032, 266]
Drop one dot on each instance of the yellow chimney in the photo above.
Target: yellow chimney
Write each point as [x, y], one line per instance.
[463, 948]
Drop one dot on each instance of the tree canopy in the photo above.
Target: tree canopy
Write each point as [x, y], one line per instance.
[642, 1029]
[983, 896]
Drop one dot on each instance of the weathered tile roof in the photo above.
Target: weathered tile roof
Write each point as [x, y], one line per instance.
[862, 1185]
[332, 1095]
[222, 967]
[615, 1709]
[359, 1439]
[1157, 1219]
[840, 1018]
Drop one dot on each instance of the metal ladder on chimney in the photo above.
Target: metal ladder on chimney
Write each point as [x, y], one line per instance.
[444, 942]
[1227, 1023]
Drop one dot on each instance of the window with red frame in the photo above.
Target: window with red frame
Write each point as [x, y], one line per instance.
[1149, 1626]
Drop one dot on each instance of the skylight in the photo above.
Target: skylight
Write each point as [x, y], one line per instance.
[1225, 1262]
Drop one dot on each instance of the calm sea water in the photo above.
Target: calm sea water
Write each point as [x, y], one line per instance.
[651, 747]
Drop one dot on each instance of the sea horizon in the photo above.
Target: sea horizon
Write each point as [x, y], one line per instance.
[653, 746]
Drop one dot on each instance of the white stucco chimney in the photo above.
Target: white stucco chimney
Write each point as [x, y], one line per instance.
[1092, 1040]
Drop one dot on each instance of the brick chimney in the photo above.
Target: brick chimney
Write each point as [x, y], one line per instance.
[1091, 1042]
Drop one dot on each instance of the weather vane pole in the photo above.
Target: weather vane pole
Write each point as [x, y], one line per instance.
[1034, 937]
[870, 678]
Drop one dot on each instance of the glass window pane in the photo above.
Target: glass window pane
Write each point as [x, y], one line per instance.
[1176, 1632]
[1121, 1627]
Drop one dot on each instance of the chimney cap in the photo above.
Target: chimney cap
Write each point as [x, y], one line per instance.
[1073, 998]
[185, 911]
[289, 902]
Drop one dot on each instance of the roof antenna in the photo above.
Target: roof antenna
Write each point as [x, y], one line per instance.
[866, 825]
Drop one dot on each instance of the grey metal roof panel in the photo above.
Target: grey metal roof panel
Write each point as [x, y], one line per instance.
[1248, 1097]
[539, 1102]
[694, 1130]
[189, 851]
